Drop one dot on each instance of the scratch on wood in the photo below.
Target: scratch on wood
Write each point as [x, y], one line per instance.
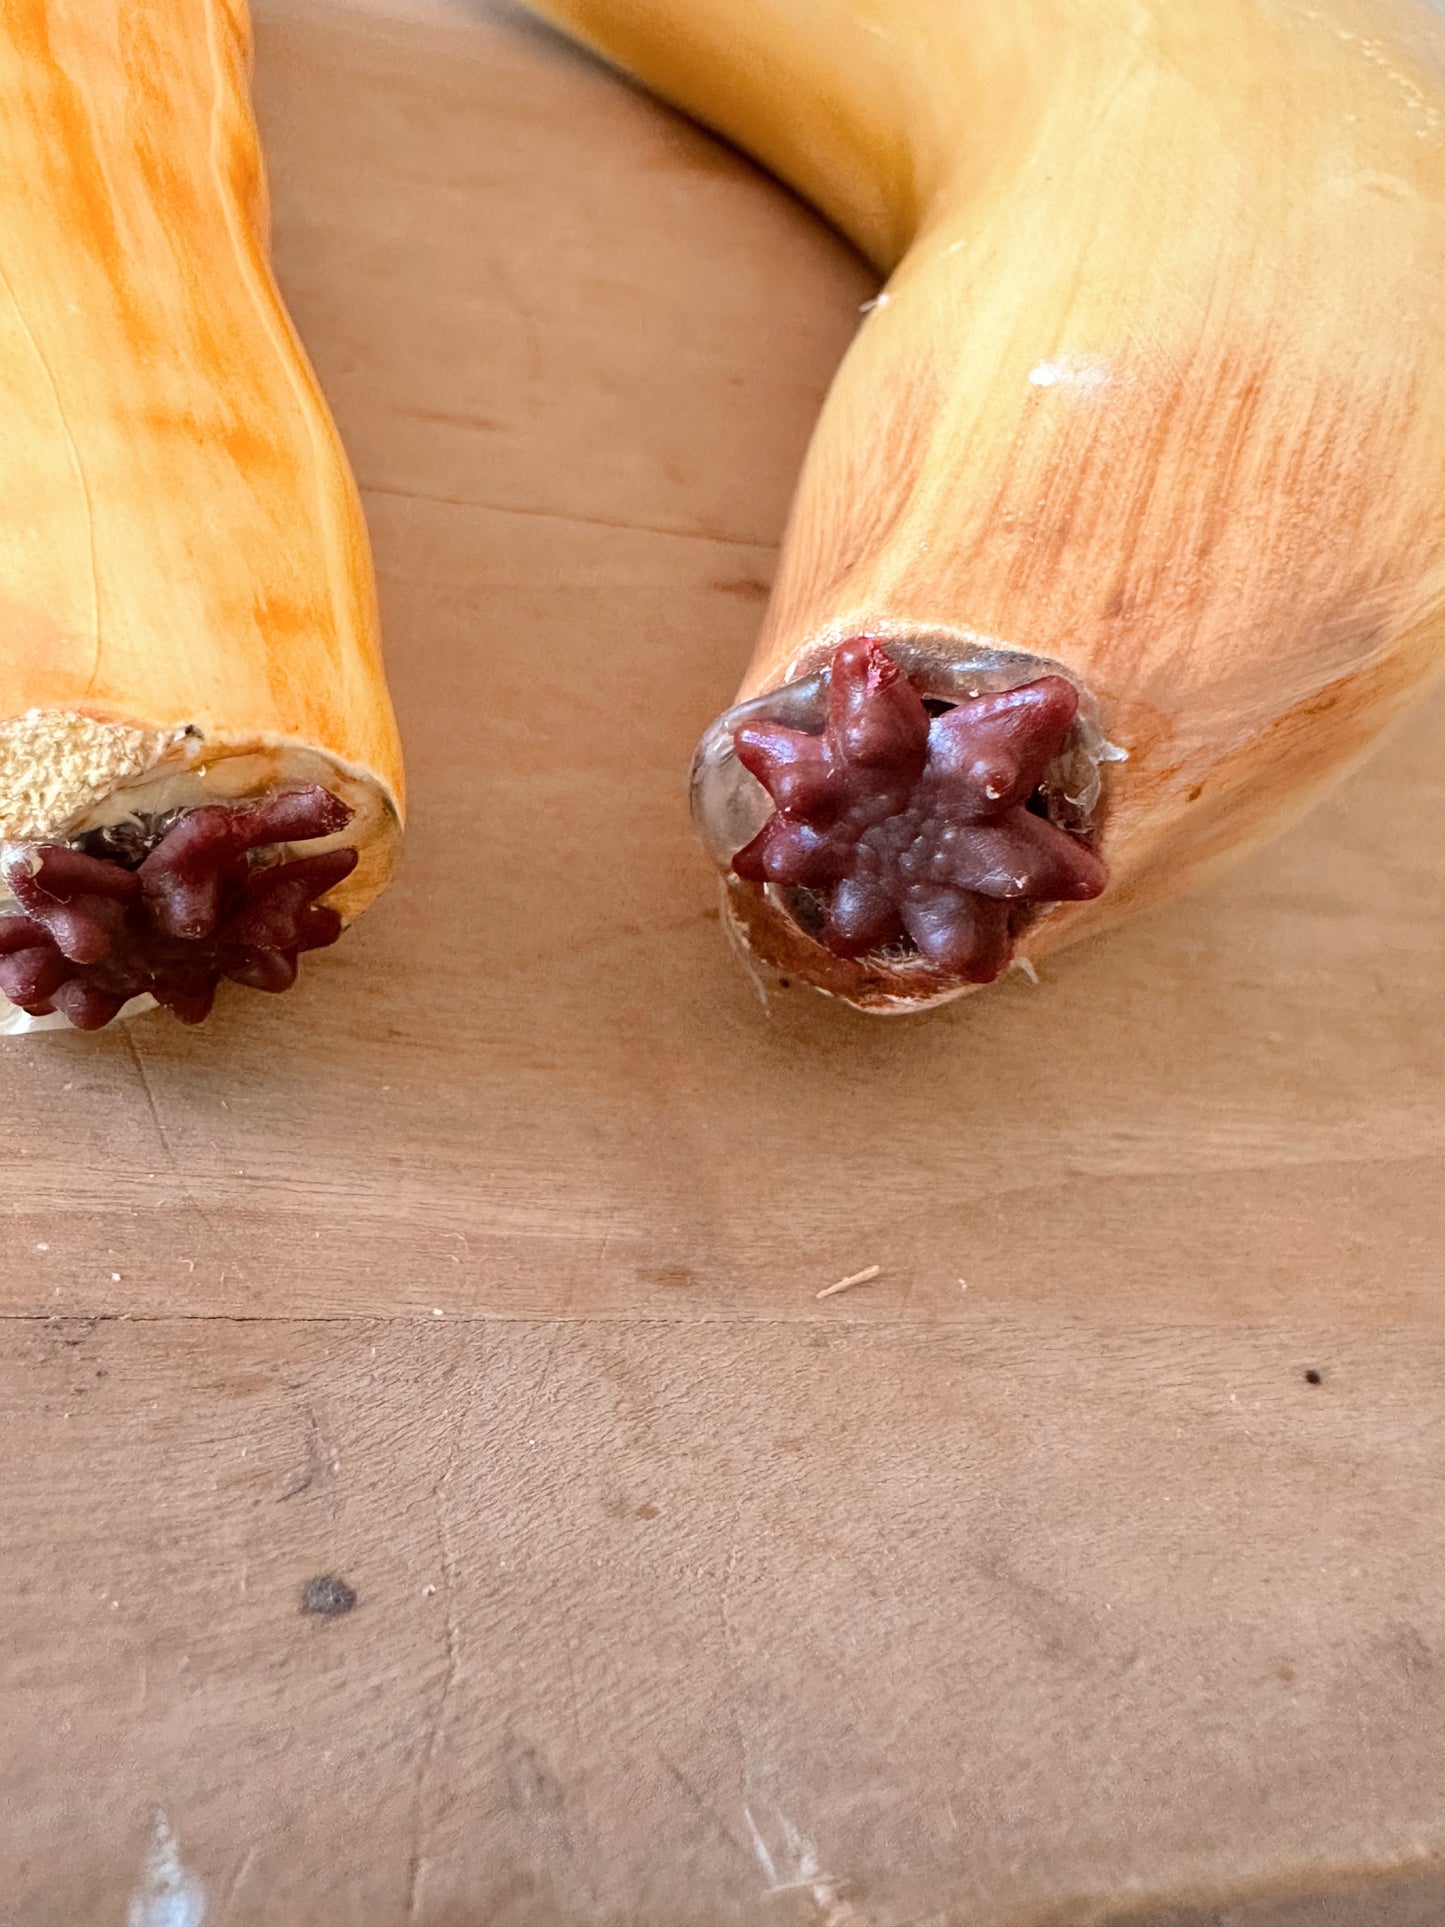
[703, 1804]
[561, 515]
[237, 1881]
[607, 1239]
[543, 1375]
[319, 1458]
[538, 1796]
[732, 1668]
[416, 1871]
[163, 1133]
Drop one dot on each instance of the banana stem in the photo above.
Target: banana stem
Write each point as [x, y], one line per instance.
[167, 908]
[888, 825]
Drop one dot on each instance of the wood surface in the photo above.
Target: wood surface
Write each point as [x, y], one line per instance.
[479, 1272]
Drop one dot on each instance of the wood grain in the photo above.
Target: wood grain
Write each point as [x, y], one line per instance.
[1065, 1598]
[622, 1586]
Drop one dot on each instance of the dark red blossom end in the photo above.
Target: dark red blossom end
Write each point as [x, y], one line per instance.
[915, 830]
[172, 910]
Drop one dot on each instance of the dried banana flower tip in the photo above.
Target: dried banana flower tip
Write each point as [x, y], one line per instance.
[906, 828]
[170, 907]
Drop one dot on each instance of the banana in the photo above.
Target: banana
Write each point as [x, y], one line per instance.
[1121, 533]
[200, 772]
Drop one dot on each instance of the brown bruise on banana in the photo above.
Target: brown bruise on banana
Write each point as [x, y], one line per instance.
[909, 839]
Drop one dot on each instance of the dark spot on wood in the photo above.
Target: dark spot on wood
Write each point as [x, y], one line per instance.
[748, 587]
[1285, 1675]
[670, 1277]
[645, 1512]
[327, 1595]
[1195, 793]
[516, 1895]
[451, 420]
[1407, 1649]
[1312, 1377]
[240, 1386]
[531, 1783]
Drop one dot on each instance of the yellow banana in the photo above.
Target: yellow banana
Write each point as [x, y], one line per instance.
[1134, 475]
[196, 741]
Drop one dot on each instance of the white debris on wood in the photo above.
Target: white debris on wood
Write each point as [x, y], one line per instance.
[847, 1284]
[168, 1896]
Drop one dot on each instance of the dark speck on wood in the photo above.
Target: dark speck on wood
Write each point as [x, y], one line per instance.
[327, 1595]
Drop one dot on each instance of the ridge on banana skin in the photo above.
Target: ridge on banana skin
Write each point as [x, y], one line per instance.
[1157, 394]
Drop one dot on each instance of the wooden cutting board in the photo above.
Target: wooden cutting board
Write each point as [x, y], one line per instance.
[1083, 1567]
